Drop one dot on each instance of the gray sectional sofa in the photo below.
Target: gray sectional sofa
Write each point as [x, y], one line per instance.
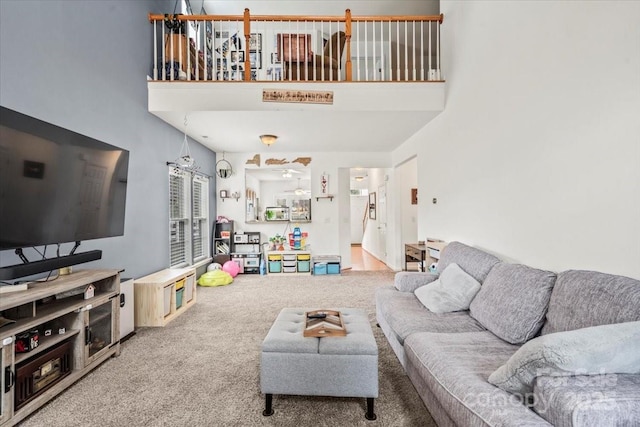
[534, 348]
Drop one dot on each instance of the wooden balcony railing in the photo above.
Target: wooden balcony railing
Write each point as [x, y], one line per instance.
[296, 48]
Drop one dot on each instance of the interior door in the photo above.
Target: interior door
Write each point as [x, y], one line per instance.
[382, 221]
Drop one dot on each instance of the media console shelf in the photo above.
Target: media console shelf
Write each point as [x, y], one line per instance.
[60, 333]
[162, 296]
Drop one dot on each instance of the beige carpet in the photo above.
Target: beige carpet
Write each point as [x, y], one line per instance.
[203, 368]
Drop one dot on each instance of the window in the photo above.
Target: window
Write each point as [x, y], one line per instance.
[188, 218]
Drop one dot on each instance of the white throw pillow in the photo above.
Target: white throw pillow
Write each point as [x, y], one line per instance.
[453, 291]
[605, 349]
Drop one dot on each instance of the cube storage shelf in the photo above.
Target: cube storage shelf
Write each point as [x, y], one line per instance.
[162, 296]
[288, 262]
[63, 333]
[326, 264]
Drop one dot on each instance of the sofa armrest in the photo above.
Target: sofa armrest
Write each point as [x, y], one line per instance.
[588, 400]
[409, 281]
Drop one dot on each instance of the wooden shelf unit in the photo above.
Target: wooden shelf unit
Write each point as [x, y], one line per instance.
[288, 262]
[57, 306]
[157, 291]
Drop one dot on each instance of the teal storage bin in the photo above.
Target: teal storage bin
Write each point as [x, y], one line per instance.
[179, 294]
[333, 268]
[275, 266]
[303, 266]
[319, 268]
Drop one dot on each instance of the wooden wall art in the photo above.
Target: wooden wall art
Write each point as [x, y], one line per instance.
[297, 96]
[414, 196]
[254, 161]
[276, 162]
[302, 160]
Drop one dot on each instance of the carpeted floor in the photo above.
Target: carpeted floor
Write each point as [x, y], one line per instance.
[203, 368]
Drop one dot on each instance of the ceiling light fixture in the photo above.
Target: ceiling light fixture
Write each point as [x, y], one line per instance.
[185, 162]
[359, 178]
[268, 139]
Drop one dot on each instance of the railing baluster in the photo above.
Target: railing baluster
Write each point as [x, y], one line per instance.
[438, 52]
[406, 52]
[430, 51]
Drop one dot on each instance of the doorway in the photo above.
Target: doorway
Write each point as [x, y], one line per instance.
[365, 239]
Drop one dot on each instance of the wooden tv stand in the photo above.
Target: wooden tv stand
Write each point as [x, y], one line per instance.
[75, 335]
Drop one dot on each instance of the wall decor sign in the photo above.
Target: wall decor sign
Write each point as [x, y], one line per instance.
[297, 96]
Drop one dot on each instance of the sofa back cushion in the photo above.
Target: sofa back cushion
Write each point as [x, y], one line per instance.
[475, 262]
[513, 301]
[587, 298]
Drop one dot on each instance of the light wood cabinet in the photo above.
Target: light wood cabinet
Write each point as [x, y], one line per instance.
[162, 296]
[288, 262]
[68, 332]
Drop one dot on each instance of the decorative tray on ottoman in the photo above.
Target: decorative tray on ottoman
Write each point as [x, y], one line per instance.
[324, 323]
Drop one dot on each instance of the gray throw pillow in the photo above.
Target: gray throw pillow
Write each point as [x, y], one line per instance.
[513, 301]
[605, 349]
[453, 291]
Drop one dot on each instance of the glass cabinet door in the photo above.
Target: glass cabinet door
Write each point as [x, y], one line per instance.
[99, 330]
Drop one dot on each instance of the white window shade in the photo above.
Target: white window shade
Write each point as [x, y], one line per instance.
[188, 217]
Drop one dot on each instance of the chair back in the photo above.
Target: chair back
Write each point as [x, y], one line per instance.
[335, 47]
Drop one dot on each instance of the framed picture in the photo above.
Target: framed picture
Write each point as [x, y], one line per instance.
[256, 60]
[274, 58]
[237, 56]
[372, 205]
[255, 41]
[222, 34]
[254, 75]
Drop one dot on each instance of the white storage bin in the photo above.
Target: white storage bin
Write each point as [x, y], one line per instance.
[189, 287]
[167, 300]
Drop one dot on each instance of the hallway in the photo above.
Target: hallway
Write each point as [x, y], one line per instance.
[362, 260]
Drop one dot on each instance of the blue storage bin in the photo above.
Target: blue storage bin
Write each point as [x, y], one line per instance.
[303, 266]
[319, 268]
[275, 266]
[333, 268]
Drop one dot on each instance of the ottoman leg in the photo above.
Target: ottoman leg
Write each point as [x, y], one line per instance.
[370, 415]
[268, 409]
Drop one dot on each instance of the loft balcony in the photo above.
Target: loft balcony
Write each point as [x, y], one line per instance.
[390, 65]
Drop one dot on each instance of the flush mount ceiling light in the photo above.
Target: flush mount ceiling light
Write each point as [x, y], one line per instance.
[359, 178]
[268, 139]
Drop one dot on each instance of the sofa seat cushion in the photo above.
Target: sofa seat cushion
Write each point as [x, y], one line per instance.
[513, 301]
[587, 298]
[406, 315]
[589, 400]
[456, 368]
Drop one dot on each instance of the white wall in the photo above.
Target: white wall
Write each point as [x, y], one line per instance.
[536, 157]
[406, 178]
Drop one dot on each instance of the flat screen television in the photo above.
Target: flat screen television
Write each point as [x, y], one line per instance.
[57, 185]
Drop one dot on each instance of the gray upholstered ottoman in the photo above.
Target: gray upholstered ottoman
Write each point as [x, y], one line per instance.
[330, 366]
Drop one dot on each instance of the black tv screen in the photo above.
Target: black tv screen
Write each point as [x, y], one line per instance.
[57, 186]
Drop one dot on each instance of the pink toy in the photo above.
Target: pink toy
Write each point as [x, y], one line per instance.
[231, 267]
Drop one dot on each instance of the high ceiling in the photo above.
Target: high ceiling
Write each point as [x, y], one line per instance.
[319, 7]
[235, 127]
